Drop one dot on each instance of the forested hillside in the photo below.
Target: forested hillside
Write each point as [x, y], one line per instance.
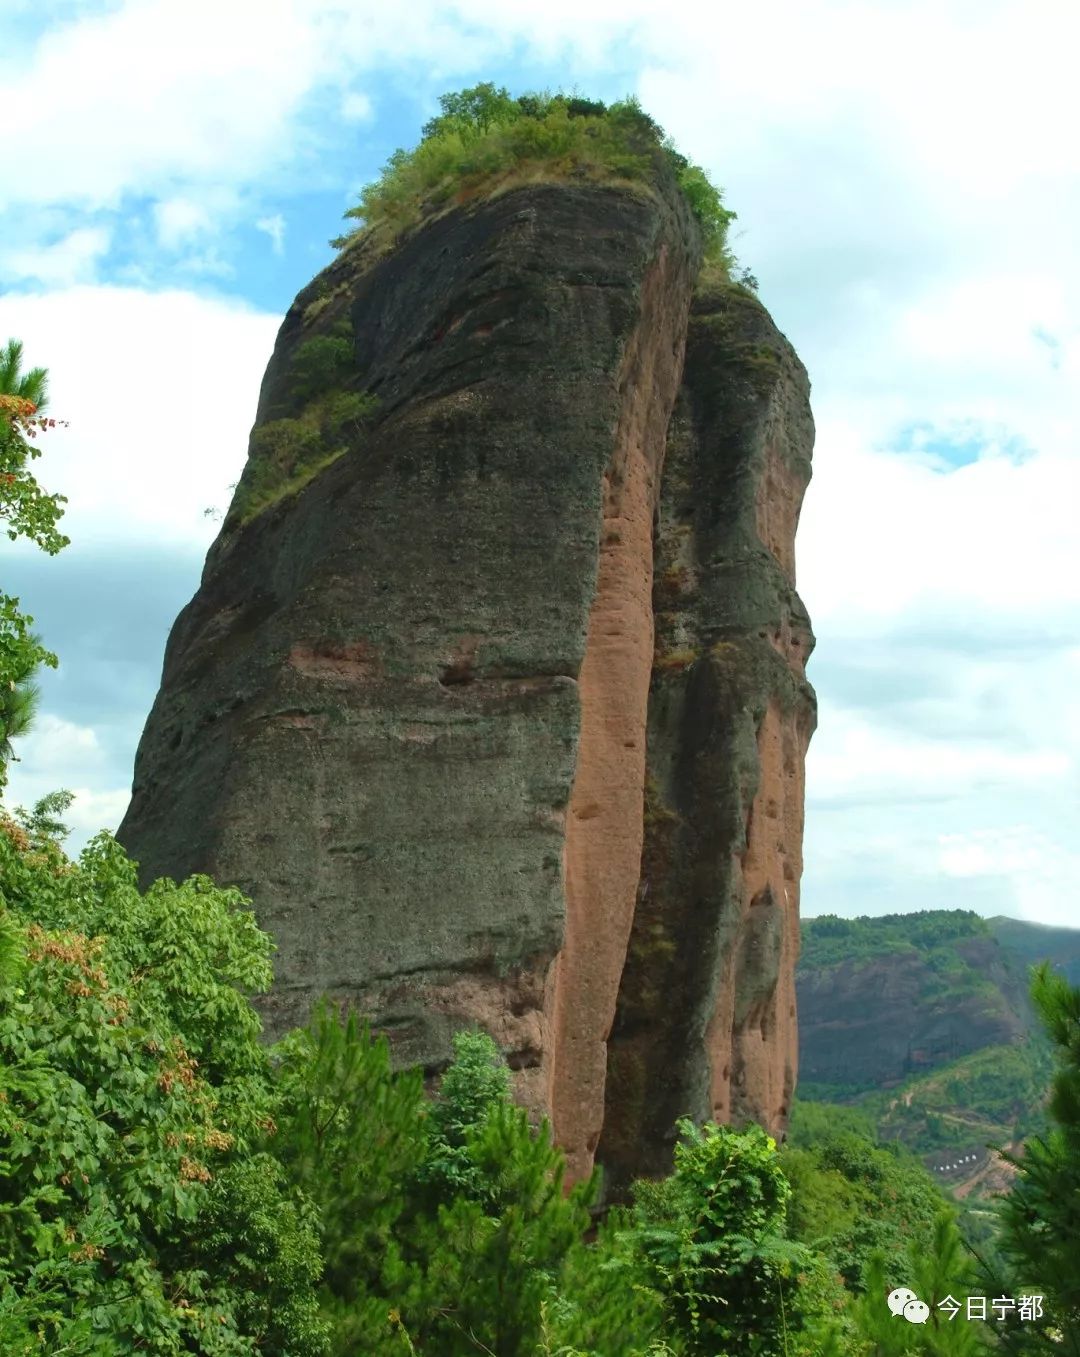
[923, 1021]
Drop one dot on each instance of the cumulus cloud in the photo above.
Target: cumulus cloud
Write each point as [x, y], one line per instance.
[60, 744]
[159, 390]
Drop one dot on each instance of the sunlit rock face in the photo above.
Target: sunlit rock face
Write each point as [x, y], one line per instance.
[492, 699]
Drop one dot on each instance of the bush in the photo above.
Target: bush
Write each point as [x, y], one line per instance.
[321, 364]
[483, 133]
[853, 1198]
[132, 1091]
[712, 1239]
[287, 454]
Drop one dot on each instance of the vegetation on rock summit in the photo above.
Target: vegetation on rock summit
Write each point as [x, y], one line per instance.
[484, 137]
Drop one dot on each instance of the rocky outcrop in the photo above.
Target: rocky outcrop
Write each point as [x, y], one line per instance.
[495, 707]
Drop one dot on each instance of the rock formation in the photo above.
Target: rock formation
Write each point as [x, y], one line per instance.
[492, 697]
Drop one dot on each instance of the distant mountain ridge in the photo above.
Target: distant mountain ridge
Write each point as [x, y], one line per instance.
[1031, 943]
[881, 999]
[924, 1021]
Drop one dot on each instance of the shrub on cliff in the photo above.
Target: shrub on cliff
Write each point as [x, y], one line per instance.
[135, 1213]
[286, 454]
[320, 364]
[484, 133]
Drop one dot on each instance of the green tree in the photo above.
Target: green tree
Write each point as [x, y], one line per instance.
[713, 1243]
[19, 700]
[475, 1085]
[488, 1257]
[136, 1211]
[31, 386]
[473, 111]
[604, 1305]
[31, 513]
[941, 1270]
[445, 1226]
[352, 1134]
[43, 824]
[1040, 1217]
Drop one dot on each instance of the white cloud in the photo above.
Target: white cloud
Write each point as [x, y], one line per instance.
[993, 536]
[94, 809]
[71, 260]
[57, 744]
[178, 220]
[1040, 872]
[159, 390]
[60, 753]
[863, 759]
[151, 92]
[355, 107]
[274, 227]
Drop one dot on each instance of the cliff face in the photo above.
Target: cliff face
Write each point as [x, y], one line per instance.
[706, 1021]
[500, 717]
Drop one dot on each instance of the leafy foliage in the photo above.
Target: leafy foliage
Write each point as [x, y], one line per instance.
[19, 700]
[132, 1092]
[829, 939]
[713, 1240]
[446, 1229]
[30, 513]
[286, 454]
[42, 825]
[483, 135]
[320, 364]
[604, 1304]
[168, 1186]
[352, 1134]
[935, 1269]
[853, 1198]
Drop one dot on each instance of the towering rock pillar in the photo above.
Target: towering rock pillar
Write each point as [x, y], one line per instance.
[706, 1022]
[417, 710]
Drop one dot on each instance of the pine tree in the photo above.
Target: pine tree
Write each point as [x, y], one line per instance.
[1041, 1215]
[19, 699]
[28, 512]
[31, 386]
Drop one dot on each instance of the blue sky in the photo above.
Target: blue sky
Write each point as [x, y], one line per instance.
[907, 180]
